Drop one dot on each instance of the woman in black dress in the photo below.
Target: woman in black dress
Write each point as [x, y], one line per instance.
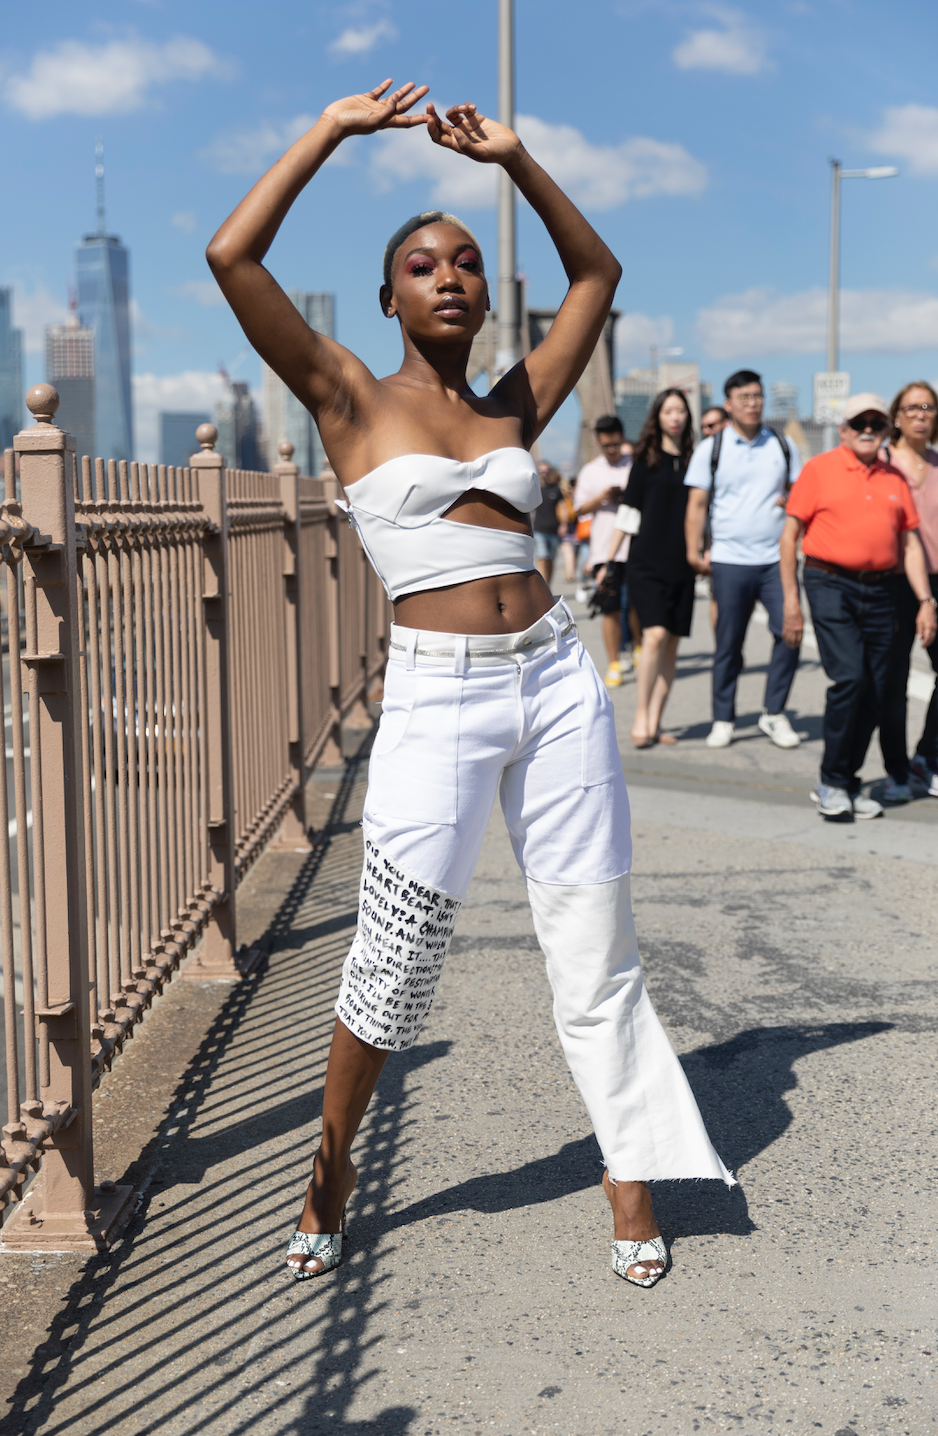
[660, 580]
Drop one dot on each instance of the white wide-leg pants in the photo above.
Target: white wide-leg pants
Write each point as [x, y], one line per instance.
[463, 721]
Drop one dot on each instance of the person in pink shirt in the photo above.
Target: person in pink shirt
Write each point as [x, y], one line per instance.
[914, 413]
[599, 488]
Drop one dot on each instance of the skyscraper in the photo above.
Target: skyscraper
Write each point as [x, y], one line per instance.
[284, 416]
[102, 269]
[236, 421]
[70, 367]
[12, 407]
[177, 435]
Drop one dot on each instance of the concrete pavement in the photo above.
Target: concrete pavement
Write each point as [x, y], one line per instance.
[793, 964]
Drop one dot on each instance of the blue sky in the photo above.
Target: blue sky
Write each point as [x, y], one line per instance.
[695, 136]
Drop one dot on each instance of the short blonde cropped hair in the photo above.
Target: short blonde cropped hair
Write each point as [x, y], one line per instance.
[410, 226]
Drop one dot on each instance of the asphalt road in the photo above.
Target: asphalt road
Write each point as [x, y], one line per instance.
[792, 962]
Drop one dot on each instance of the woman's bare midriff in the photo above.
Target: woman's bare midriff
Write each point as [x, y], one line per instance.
[508, 603]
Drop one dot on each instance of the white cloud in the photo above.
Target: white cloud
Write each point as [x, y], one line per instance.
[72, 78]
[185, 220]
[33, 309]
[244, 152]
[910, 133]
[738, 48]
[761, 321]
[635, 335]
[598, 177]
[204, 291]
[198, 390]
[359, 39]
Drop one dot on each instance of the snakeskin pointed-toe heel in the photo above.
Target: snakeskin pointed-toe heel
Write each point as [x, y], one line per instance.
[628, 1254]
[325, 1247]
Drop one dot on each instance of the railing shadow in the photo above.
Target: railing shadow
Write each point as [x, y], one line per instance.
[317, 1339]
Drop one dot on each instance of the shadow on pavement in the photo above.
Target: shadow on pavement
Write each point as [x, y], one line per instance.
[739, 1086]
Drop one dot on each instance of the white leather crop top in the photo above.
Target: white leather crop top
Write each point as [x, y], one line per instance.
[398, 510]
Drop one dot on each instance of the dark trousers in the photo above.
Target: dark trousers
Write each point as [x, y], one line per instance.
[736, 586]
[854, 624]
[893, 720]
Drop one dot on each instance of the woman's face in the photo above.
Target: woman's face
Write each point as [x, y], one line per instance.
[673, 417]
[439, 289]
[914, 422]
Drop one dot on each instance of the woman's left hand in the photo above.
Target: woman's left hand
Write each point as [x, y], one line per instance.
[472, 134]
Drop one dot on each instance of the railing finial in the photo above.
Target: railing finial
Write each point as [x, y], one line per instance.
[285, 450]
[206, 435]
[42, 402]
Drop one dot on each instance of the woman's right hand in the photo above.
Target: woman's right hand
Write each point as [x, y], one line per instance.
[377, 110]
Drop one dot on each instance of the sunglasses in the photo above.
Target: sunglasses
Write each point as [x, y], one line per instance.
[860, 424]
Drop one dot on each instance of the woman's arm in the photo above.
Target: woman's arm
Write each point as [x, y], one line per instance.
[318, 370]
[539, 384]
[916, 571]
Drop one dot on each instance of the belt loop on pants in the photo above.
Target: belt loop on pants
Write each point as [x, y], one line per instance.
[460, 654]
[412, 637]
[555, 629]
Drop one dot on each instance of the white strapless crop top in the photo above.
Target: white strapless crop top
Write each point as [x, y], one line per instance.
[398, 510]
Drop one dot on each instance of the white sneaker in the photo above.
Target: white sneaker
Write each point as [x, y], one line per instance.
[832, 802]
[625, 661]
[777, 727]
[864, 807]
[582, 594]
[720, 735]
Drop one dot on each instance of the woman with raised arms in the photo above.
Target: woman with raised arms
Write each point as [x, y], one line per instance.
[488, 689]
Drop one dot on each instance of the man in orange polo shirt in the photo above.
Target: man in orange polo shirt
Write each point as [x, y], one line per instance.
[858, 521]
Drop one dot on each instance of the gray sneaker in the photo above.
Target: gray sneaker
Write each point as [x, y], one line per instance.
[864, 807]
[833, 802]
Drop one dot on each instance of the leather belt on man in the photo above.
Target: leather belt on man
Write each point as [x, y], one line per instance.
[862, 575]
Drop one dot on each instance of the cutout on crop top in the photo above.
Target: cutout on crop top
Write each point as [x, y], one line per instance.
[398, 510]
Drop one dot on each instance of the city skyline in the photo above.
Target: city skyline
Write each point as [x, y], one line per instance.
[696, 140]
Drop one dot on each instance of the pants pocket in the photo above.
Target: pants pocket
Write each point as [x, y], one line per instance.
[412, 775]
[601, 761]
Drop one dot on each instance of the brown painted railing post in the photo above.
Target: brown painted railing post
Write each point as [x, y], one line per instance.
[294, 832]
[66, 1212]
[216, 955]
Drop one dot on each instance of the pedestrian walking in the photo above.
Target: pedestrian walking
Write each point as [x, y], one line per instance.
[547, 521]
[741, 476]
[914, 415]
[570, 545]
[660, 580]
[598, 494]
[857, 523]
[712, 420]
[488, 690]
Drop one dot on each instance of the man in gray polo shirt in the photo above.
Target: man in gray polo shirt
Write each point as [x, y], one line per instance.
[755, 468]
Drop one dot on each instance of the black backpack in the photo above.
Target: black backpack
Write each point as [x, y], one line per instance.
[715, 459]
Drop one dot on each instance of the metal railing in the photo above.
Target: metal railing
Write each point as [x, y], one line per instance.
[190, 642]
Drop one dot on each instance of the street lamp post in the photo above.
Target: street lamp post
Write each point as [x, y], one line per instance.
[508, 342]
[833, 288]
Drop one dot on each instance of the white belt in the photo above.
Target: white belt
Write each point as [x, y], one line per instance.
[467, 650]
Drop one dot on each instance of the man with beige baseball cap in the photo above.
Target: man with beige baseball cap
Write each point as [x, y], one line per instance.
[857, 521]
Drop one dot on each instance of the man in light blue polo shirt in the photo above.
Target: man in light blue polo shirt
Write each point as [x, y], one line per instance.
[754, 469]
